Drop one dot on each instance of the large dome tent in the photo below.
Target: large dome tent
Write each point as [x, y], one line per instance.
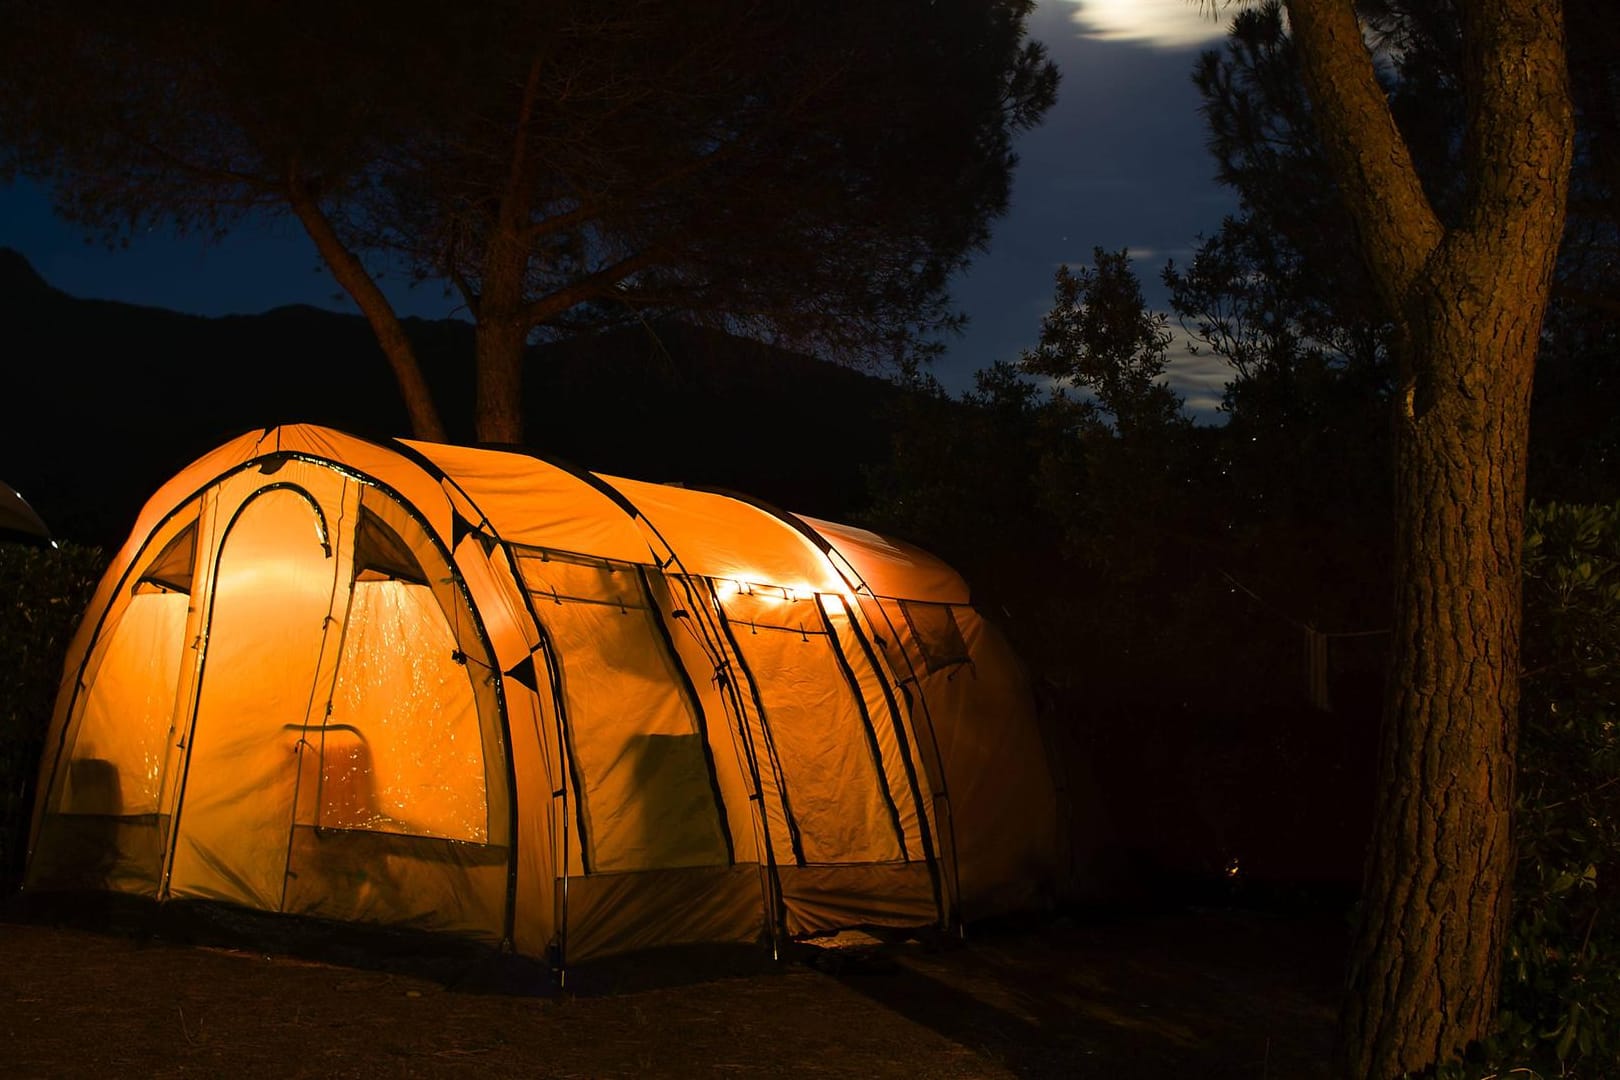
[472, 692]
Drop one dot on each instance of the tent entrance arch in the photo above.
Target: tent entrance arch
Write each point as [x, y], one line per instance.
[233, 816]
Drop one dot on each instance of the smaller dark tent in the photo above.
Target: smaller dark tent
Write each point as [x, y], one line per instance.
[19, 524]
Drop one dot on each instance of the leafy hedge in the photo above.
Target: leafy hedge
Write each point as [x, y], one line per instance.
[1561, 983]
[43, 593]
[1561, 971]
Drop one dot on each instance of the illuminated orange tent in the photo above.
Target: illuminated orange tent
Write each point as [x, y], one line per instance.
[570, 715]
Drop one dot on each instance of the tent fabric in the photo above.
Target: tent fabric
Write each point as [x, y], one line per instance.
[472, 692]
[981, 742]
[890, 567]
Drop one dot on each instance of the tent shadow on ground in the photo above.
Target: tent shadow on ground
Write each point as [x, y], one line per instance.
[1210, 993]
[459, 967]
[1188, 992]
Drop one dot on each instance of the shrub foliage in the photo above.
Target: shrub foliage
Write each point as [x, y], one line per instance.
[1561, 985]
[43, 593]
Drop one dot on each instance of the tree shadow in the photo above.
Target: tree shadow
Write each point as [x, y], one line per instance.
[1197, 993]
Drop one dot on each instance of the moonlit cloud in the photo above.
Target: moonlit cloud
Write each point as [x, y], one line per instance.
[1135, 254]
[1200, 378]
[1164, 24]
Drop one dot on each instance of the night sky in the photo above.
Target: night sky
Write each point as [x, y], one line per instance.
[1119, 162]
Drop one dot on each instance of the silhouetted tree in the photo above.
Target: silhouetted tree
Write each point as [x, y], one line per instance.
[808, 173]
[1104, 354]
[1100, 338]
[1070, 487]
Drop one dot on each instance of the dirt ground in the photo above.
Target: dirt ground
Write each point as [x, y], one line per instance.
[1203, 993]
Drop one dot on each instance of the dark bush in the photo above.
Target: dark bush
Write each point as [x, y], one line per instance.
[1561, 970]
[43, 593]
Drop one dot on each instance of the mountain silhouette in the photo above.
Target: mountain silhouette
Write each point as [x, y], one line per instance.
[104, 401]
[19, 278]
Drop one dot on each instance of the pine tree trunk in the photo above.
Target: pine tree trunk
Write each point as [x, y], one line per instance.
[1426, 963]
[350, 273]
[502, 343]
[1467, 297]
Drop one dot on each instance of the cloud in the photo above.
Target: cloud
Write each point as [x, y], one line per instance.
[1147, 254]
[1199, 378]
[1164, 24]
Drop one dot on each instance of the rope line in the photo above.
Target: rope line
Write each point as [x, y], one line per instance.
[1281, 614]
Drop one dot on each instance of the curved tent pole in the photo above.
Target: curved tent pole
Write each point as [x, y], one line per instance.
[485, 528]
[859, 587]
[942, 796]
[189, 739]
[266, 462]
[874, 658]
[47, 776]
[770, 882]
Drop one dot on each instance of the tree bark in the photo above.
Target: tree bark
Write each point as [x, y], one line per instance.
[1467, 298]
[396, 346]
[1425, 965]
[502, 343]
[502, 333]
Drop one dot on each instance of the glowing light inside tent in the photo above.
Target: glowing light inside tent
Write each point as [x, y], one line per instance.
[794, 593]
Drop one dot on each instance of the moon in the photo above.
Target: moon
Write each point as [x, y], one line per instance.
[1164, 24]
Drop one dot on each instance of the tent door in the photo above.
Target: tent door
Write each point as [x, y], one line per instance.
[264, 634]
